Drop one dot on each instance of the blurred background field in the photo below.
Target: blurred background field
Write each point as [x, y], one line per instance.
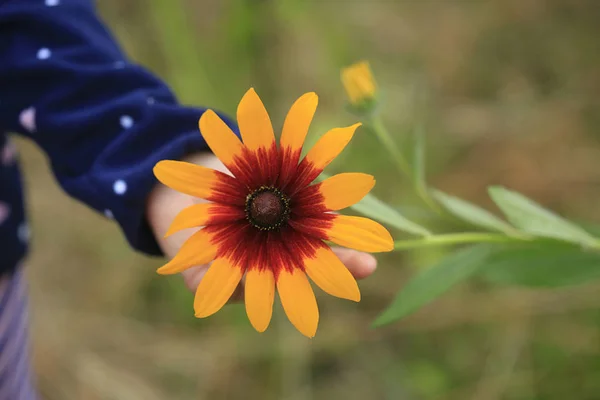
[512, 97]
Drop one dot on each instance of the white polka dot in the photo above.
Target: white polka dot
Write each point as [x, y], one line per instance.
[27, 119]
[9, 153]
[52, 3]
[23, 232]
[4, 212]
[119, 64]
[120, 186]
[126, 121]
[44, 53]
[150, 100]
[108, 214]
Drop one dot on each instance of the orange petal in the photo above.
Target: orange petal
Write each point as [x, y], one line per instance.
[328, 272]
[191, 179]
[216, 287]
[297, 121]
[204, 214]
[190, 217]
[197, 250]
[343, 190]
[330, 146]
[220, 138]
[259, 294]
[360, 233]
[298, 301]
[254, 122]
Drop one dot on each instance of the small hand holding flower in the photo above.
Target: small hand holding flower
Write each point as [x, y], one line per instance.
[165, 204]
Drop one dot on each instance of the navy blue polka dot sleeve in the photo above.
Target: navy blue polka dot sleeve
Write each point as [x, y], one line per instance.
[102, 120]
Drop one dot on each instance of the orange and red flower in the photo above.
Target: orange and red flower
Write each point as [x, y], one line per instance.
[267, 221]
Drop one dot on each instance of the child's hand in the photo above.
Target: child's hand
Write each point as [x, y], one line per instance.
[164, 204]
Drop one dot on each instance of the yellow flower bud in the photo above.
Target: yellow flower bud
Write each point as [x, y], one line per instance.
[359, 83]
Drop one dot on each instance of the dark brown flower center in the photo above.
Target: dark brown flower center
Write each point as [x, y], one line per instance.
[267, 208]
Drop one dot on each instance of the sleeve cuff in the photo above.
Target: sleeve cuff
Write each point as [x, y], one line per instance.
[123, 192]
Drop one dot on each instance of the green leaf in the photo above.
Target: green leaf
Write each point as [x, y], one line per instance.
[533, 218]
[542, 265]
[434, 281]
[370, 206]
[473, 214]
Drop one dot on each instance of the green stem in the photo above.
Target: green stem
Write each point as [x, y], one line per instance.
[456, 238]
[377, 126]
[386, 140]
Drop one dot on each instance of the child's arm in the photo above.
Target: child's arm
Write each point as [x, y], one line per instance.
[102, 120]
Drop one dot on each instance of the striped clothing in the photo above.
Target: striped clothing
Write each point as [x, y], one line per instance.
[16, 381]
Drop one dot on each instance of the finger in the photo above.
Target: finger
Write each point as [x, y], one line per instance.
[193, 276]
[360, 264]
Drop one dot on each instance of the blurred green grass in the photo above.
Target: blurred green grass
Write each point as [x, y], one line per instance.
[511, 99]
